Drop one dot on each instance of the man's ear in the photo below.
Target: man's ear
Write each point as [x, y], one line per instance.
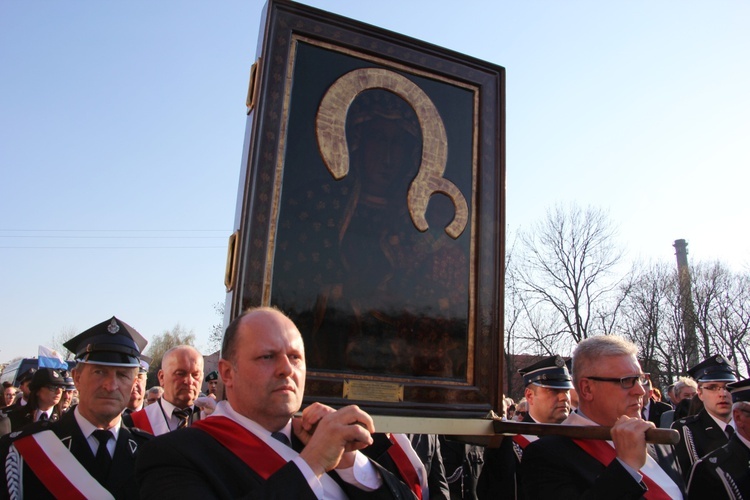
[226, 372]
[160, 376]
[528, 393]
[585, 389]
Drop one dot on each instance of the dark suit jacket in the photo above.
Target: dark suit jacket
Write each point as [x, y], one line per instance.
[556, 467]
[23, 416]
[501, 474]
[699, 435]
[655, 411]
[190, 463]
[723, 473]
[120, 480]
[427, 447]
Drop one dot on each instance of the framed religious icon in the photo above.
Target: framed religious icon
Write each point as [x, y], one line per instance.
[371, 211]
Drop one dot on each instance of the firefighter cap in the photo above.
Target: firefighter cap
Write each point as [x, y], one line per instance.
[112, 342]
[740, 390]
[551, 372]
[713, 369]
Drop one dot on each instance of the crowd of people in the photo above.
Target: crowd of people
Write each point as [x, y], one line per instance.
[97, 432]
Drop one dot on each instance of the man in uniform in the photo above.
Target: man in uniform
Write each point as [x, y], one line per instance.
[609, 381]
[181, 375]
[725, 472]
[212, 384]
[251, 445]
[547, 385]
[88, 453]
[708, 429]
[139, 387]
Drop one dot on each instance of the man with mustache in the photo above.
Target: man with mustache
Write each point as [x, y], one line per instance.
[251, 446]
[88, 453]
[708, 429]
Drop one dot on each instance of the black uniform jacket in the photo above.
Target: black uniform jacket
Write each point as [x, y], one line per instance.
[723, 473]
[427, 448]
[120, 480]
[699, 435]
[556, 467]
[189, 463]
[656, 410]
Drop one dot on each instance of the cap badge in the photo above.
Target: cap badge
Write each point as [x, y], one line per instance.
[113, 327]
[559, 362]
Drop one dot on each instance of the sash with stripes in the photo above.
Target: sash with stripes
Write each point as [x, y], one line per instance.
[405, 467]
[604, 453]
[140, 420]
[247, 446]
[57, 468]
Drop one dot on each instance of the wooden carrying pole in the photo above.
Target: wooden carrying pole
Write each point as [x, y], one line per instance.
[656, 436]
[489, 432]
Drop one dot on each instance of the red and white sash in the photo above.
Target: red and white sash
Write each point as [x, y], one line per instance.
[409, 465]
[658, 482]
[151, 419]
[604, 453]
[247, 446]
[57, 468]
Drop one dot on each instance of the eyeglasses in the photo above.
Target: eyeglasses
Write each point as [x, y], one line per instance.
[54, 388]
[521, 413]
[625, 382]
[714, 388]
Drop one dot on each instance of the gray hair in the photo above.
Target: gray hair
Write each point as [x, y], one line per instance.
[590, 351]
[684, 382]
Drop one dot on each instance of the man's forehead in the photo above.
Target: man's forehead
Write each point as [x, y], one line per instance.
[267, 326]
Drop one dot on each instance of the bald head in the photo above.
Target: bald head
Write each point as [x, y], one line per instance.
[181, 375]
[263, 367]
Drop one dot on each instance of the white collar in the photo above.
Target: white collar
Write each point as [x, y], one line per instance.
[87, 428]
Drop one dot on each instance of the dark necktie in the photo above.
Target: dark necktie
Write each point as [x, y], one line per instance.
[280, 436]
[183, 415]
[729, 430]
[42, 416]
[103, 458]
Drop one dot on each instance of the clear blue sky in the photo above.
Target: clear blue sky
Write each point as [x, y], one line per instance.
[121, 129]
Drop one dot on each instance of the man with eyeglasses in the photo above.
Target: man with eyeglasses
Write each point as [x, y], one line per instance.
[724, 473]
[609, 381]
[547, 397]
[709, 429]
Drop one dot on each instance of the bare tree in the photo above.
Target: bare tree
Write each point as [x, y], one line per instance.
[647, 318]
[217, 330]
[722, 312]
[63, 336]
[567, 267]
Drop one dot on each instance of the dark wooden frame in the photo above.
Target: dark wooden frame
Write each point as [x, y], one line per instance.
[286, 26]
